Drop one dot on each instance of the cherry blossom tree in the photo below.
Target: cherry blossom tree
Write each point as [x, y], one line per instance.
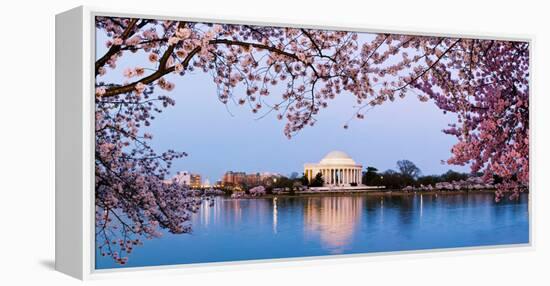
[484, 82]
[488, 88]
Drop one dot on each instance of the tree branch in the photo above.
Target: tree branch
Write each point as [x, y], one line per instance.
[428, 69]
[163, 70]
[152, 77]
[115, 48]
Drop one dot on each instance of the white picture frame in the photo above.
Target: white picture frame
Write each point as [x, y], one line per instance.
[74, 121]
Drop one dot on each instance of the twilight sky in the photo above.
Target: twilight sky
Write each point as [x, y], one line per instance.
[219, 137]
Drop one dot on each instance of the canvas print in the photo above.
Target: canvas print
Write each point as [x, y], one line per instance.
[219, 142]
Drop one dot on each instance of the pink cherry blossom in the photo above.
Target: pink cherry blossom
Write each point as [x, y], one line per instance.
[117, 41]
[153, 57]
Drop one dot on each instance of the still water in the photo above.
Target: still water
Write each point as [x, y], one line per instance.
[323, 225]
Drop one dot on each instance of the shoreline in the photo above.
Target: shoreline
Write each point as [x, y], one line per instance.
[372, 193]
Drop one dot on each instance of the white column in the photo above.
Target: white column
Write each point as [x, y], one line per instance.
[346, 177]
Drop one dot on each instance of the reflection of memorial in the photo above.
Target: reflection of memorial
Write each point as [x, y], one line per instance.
[333, 219]
[275, 215]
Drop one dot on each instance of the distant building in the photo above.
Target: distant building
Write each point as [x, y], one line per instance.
[268, 175]
[241, 178]
[195, 180]
[233, 178]
[183, 178]
[253, 179]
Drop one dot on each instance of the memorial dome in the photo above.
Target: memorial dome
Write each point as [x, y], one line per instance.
[337, 158]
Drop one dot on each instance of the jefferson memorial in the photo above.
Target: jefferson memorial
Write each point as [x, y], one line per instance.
[337, 169]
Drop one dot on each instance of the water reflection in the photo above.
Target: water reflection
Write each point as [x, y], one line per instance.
[421, 204]
[294, 226]
[234, 211]
[275, 215]
[333, 219]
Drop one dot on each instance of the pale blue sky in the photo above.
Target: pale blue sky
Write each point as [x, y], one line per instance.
[218, 140]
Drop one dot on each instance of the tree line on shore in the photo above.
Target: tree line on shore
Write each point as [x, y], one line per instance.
[407, 176]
